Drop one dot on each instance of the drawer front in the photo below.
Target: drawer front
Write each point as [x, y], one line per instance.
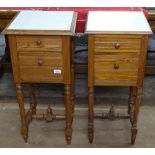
[39, 60]
[116, 65]
[116, 68]
[114, 44]
[39, 43]
[41, 67]
[119, 78]
[41, 74]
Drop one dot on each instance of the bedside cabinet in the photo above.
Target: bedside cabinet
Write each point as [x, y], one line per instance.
[41, 52]
[117, 47]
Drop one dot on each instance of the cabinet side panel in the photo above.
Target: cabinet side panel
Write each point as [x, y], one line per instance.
[14, 58]
[90, 60]
[142, 60]
[66, 59]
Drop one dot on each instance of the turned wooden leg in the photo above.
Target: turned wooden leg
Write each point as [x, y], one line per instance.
[72, 105]
[33, 103]
[72, 95]
[20, 98]
[91, 114]
[131, 99]
[72, 69]
[68, 102]
[135, 115]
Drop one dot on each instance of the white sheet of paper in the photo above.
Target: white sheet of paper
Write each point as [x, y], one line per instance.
[57, 71]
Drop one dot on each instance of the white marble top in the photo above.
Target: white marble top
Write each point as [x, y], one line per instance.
[117, 22]
[42, 20]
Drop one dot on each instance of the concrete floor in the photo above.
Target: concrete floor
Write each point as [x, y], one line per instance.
[107, 133]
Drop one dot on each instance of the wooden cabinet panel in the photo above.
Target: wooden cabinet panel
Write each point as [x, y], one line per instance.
[116, 65]
[40, 68]
[40, 60]
[39, 43]
[113, 44]
[115, 55]
[115, 75]
[116, 59]
[41, 74]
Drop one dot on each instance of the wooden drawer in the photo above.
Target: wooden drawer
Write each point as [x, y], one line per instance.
[39, 43]
[41, 67]
[115, 78]
[40, 60]
[114, 68]
[43, 74]
[116, 44]
[109, 61]
[116, 65]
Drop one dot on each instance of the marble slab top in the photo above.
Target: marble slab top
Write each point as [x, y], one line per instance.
[117, 22]
[43, 21]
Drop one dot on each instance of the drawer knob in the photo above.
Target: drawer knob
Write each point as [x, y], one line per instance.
[116, 66]
[38, 42]
[40, 62]
[117, 45]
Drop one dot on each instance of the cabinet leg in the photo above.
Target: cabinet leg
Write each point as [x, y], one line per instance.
[133, 135]
[20, 98]
[72, 75]
[131, 99]
[91, 114]
[72, 103]
[68, 102]
[135, 115]
[33, 103]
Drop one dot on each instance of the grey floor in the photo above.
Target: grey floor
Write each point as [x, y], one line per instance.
[107, 133]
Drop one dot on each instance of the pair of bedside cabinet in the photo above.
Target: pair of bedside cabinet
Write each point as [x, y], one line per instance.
[41, 49]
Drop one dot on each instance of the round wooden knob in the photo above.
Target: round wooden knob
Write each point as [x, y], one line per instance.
[117, 45]
[116, 66]
[38, 42]
[40, 62]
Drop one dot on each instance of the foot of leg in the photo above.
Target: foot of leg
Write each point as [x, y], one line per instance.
[24, 133]
[133, 135]
[90, 133]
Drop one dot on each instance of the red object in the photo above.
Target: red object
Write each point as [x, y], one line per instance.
[82, 12]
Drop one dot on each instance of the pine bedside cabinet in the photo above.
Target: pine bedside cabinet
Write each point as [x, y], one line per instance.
[41, 52]
[117, 46]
